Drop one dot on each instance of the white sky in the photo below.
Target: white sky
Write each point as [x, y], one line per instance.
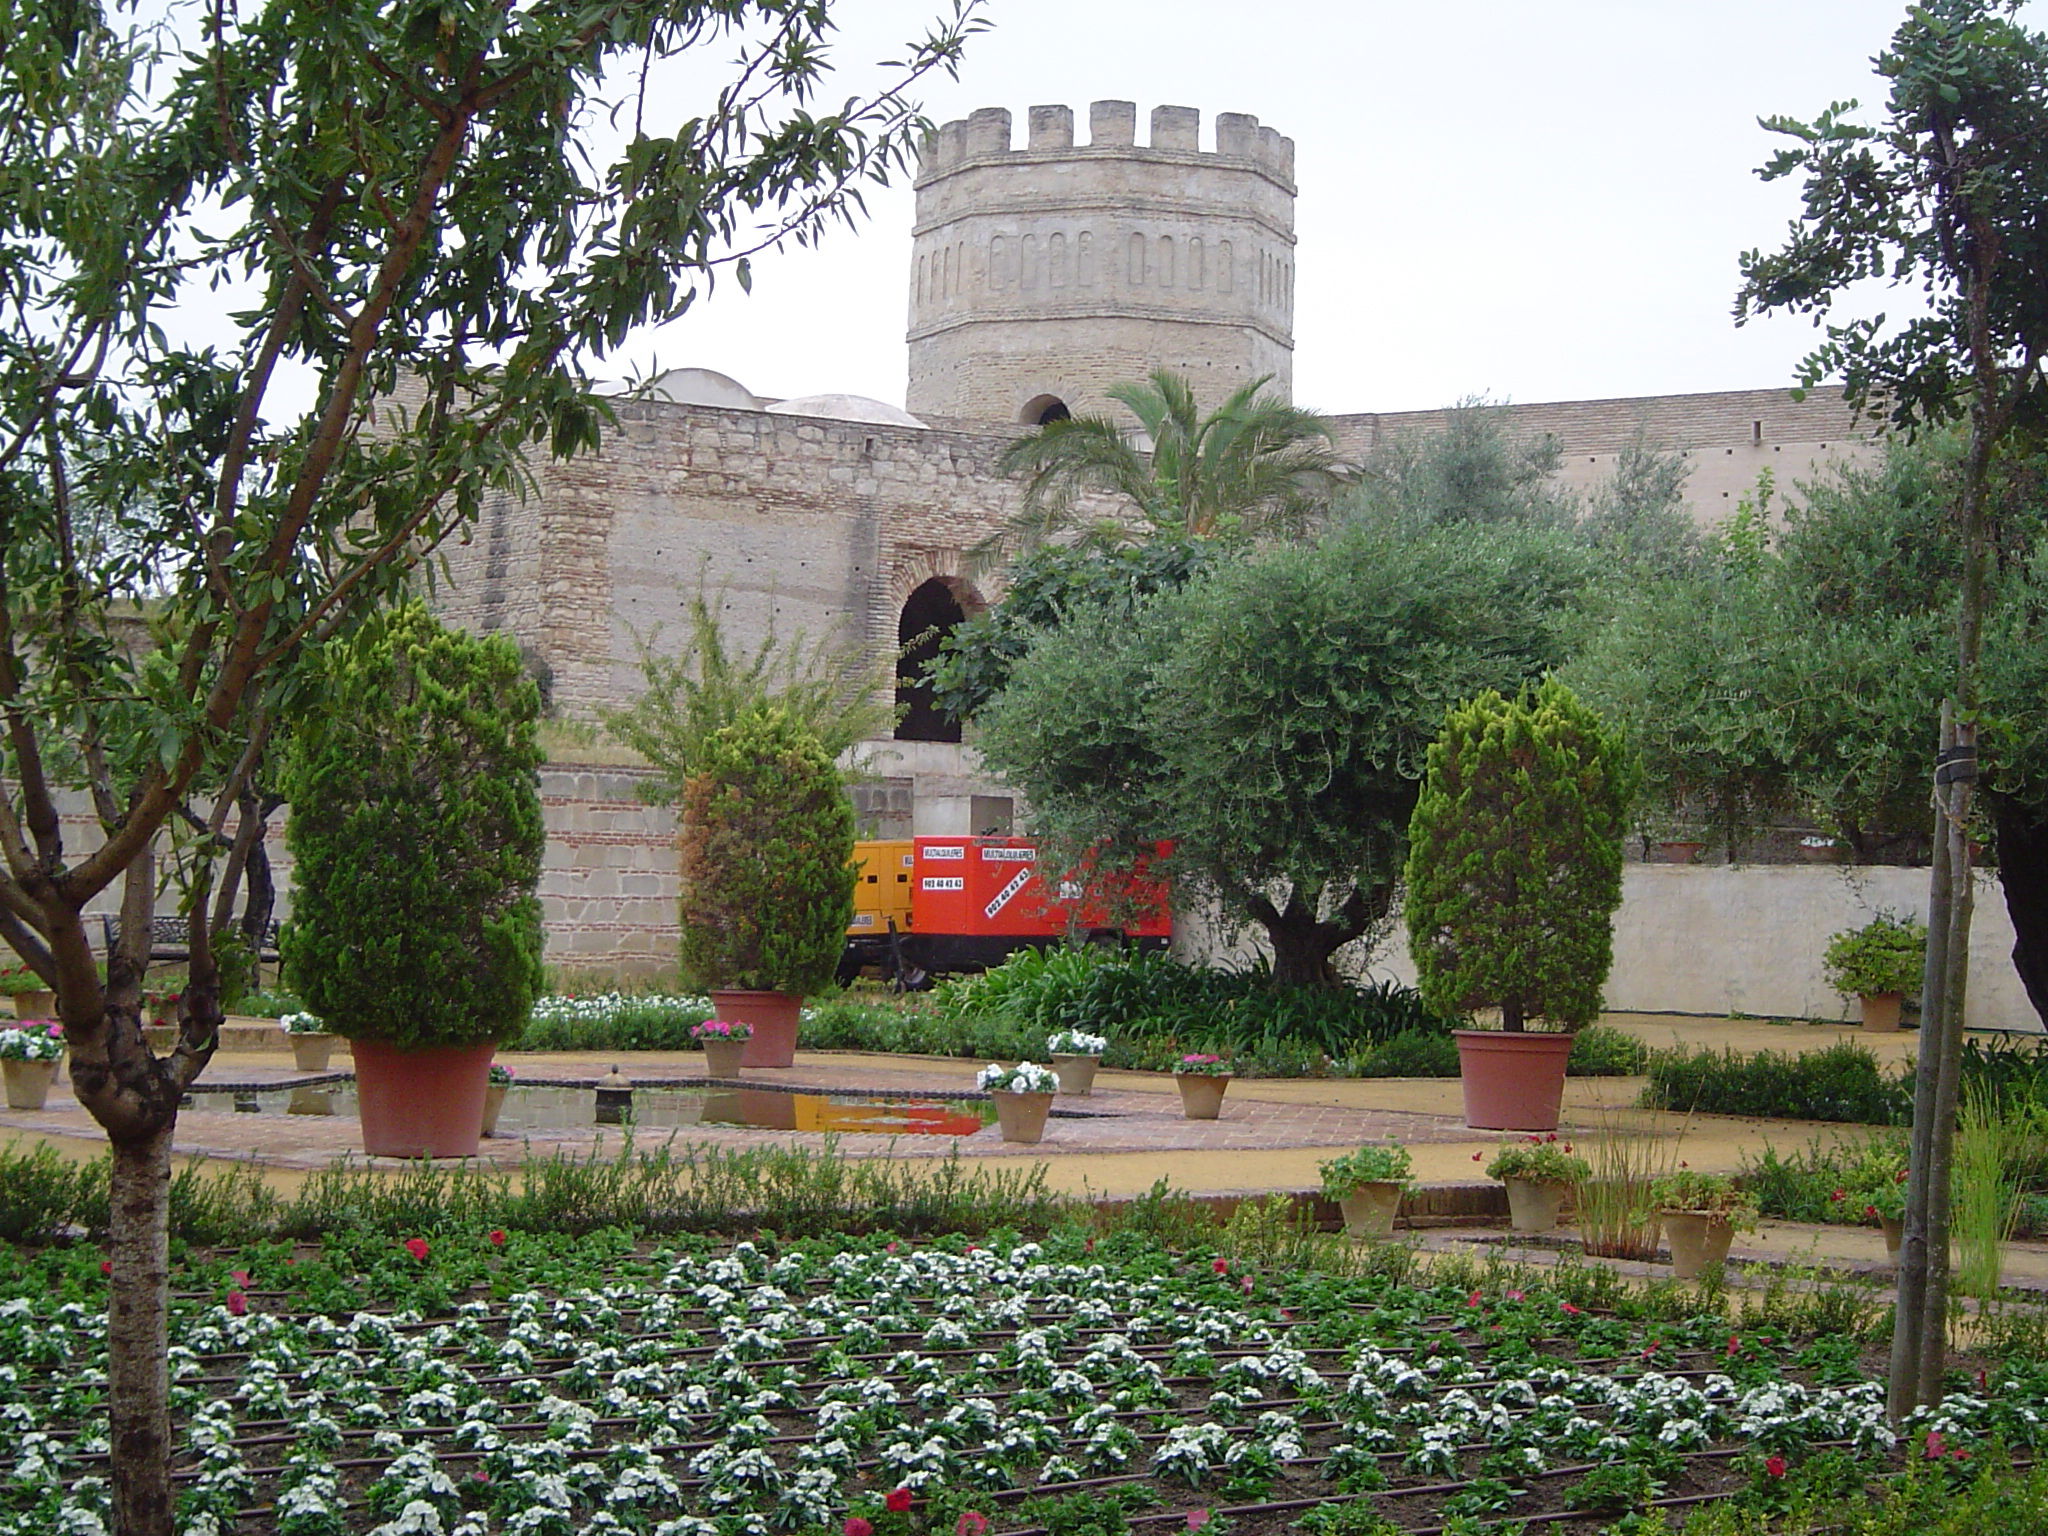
[1535, 201]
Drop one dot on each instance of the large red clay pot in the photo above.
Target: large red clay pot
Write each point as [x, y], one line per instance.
[1513, 1081]
[774, 1017]
[425, 1102]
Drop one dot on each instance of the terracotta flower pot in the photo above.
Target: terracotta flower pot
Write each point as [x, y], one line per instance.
[35, 1004]
[494, 1104]
[724, 1058]
[1512, 1081]
[1201, 1096]
[1022, 1116]
[1699, 1242]
[312, 1053]
[28, 1082]
[1533, 1204]
[427, 1102]
[1677, 851]
[773, 1016]
[1881, 1011]
[1369, 1209]
[1076, 1073]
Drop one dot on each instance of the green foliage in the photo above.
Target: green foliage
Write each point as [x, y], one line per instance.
[1389, 1164]
[1271, 719]
[1514, 864]
[1842, 1082]
[1884, 955]
[1540, 1161]
[1255, 464]
[614, 1023]
[236, 959]
[700, 689]
[1601, 1050]
[1411, 1053]
[1825, 1182]
[767, 859]
[1688, 1189]
[416, 827]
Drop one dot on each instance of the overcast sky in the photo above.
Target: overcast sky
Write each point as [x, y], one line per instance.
[1533, 201]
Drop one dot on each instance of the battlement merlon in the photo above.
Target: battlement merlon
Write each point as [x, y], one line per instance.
[985, 135]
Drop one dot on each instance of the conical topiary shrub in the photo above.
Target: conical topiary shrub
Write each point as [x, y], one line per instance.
[767, 864]
[1513, 876]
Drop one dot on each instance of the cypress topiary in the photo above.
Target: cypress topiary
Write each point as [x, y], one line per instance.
[1514, 858]
[416, 827]
[767, 859]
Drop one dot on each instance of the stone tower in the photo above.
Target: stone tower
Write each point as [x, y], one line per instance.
[1043, 275]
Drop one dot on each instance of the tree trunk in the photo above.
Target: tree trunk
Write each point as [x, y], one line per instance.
[138, 1311]
[2023, 872]
[1302, 948]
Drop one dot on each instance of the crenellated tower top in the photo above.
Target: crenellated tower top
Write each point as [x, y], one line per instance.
[1043, 274]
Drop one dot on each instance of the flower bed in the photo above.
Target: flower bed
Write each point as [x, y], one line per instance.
[758, 1390]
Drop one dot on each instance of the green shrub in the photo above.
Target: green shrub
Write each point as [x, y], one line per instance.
[1803, 1185]
[1601, 1050]
[1514, 858]
[1844, 1082]
[416, 826]
[767, 859]
[613, 1021]
[1885, 955]
[1412, 1053]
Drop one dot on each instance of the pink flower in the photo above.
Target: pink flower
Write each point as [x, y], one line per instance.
[238, 1304]
[417, 1247]
[1247, 1283]
[1474, 1299]
[497, 1237]
[239, 1276]
[1221, 1266]
[1568, 1307]
[898, 1501]
[1936, 1446]
[858, 1527]
[973, 1523]
[1197, 1518]
[1775, 1466]
[1514, 1296]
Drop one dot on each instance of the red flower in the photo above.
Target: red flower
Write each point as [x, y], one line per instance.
[497, 1237]
[239, 1276]
[973, 1523]
[106, 1266]
[1567, 1146]
[858, 1527]
[898, 1501]
[1477, 1155]
[1221, 1266]
[238, 1304]
[1473, 1300]
[1568, 1307]
[1775, 1466]
[417, 1247]
[1936, 1446]
[1734, 1344]
[1871, 1212]
[1839, 1195]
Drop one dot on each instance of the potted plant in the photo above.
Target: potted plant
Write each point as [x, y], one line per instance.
[1023, 1098]
[1878, 963]
[1701, 1212]
[767, 875]
[725, 1045]
[497, 1083]
[32, 997]
[416, 829]
[1201, 1078]
[1367, 1186]
[1076, 1055]
[311, 1042]
[1883, 1200]
[1538, 1172]
[29, 1053]
[1513, 875]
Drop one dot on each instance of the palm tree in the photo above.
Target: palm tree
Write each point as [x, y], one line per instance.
[1253, 465]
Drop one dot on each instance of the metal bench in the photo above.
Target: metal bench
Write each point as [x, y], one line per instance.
[167, 937]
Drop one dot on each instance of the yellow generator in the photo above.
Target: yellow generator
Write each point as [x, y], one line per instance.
[881, 908]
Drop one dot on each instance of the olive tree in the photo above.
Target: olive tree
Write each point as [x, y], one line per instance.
[437, 220]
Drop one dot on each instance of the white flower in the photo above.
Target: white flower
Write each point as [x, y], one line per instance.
[1025, 1077]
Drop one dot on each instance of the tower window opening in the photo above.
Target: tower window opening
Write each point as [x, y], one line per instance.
[929, 615]
[1041, 409]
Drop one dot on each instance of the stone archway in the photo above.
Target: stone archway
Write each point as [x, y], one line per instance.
[1041, 409]
[928, 615]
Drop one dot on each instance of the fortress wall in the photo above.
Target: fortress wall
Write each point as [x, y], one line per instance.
[1729, 438]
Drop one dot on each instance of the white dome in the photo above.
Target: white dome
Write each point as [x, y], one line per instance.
[846, 408]
[702, 386]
